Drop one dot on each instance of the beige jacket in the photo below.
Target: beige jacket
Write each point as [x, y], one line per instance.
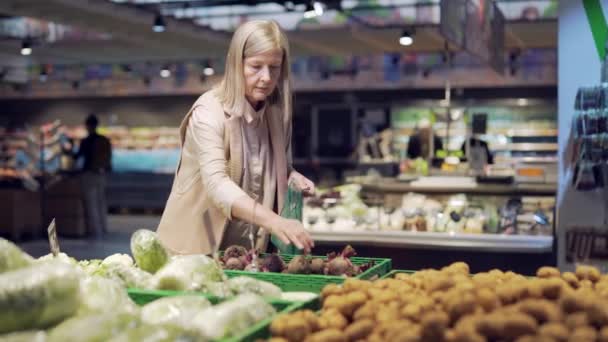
[209, 171]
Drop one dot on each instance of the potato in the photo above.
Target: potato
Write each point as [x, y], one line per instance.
[571, 279]
[541, 310]
[548, 272]
[598, 313]
[552, 288]
[557, 331]
[433, 324]
[296, 330]
[329, 335]
[460, 306]
[359, 330]
[331, 289]
[517, 325]
[584, 334]
[576, 320]
[488, 299]
[332, 319]
[366, 311]
[279, 325]
[491, 326]
[354, 284]
[278, 339]
[603, 335]
[534, 338]
[585, 272]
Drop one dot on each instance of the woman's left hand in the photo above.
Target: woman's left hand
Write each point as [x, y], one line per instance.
[304, 184]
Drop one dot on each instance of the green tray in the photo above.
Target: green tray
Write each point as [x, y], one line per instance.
[259, 330]
[315, 282]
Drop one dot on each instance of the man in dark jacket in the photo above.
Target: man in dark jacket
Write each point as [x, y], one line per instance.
[96, 151]
[420, 143]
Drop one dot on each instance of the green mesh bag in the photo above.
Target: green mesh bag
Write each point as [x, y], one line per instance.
[292, 209]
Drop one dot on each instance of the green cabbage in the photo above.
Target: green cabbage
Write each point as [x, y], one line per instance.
[66, 259]
[94, 327]
[38, 296]
[176, 311]
[241, 285]
[148, 251]
[24, 336]
[12, 257]
[188, 273]
[100, 294]
[233, 317]
[92, 267]
[128, 276]
[218, 289]
[118, 258]
[149, 333]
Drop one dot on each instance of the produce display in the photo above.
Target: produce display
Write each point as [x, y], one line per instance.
[57, 298]
[454, 306]
[336, 264]
[342, 209]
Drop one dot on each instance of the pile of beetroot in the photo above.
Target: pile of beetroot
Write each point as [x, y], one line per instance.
[239, 258]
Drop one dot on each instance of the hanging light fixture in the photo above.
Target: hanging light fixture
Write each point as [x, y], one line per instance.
[313, 9]
[159, 24]
[165, 72]
[26, 47]
[208, 69]
[407, 38]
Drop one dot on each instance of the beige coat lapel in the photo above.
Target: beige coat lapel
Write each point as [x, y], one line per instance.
[277, 139]
[235, 168]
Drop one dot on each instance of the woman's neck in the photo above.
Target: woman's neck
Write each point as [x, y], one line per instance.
[256, 105]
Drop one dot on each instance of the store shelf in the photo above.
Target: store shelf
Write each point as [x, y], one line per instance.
[390, 185]
[465, 242]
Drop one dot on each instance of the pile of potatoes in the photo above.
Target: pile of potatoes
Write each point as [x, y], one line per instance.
[453, 306]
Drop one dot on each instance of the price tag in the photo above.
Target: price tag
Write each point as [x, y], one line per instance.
[53, 241]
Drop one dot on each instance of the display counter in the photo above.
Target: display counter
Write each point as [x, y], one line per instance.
[455, 242]
[422, 222]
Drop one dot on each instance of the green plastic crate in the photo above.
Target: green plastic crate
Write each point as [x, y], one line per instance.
[143, 297]
[315, 282]
[392, 273]
[258, 331]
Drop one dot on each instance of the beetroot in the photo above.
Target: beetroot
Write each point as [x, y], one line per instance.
[317, 266]
[341, 265]
[234, 264]
[300, 264]
[234, 251]
[273, 263]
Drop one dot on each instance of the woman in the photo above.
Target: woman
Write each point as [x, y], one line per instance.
[236, 153]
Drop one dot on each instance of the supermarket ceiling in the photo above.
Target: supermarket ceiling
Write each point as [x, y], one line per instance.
[116, 31]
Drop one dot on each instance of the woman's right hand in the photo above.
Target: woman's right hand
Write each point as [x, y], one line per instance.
[292, 231]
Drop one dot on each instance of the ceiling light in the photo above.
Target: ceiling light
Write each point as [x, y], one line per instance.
[159, 24]
[207, 68]
[406, 38]
[165, 72]
[208, 71]
[313, 10]
[26, 47]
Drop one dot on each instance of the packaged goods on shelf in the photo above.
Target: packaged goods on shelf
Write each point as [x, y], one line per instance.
[344, 210]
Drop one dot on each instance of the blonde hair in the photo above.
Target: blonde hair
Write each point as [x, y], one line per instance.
[249, 39]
